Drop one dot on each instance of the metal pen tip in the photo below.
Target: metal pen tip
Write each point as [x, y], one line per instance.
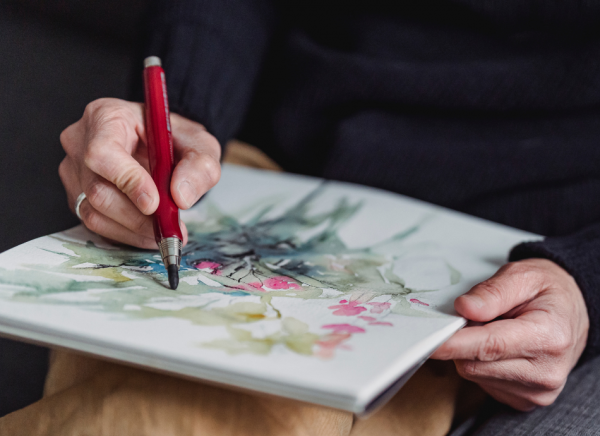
[173, 272]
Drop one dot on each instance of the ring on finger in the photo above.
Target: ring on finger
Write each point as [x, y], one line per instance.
[80, 199]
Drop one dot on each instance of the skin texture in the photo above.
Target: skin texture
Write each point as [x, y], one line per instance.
[536, 329]
[107, 159]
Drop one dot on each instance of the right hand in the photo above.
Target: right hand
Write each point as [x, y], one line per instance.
[107, 159]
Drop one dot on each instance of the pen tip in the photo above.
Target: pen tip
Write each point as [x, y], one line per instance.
[173, 276]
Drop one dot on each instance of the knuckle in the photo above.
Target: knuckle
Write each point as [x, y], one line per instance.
[515, 268]
[526, 271]
[64, 139]
[128, 180]
[107, 113]
[96, 105]
[92, 107]
[211, 169]
[467, 369]
[211, 142]
[99, 196]
[493, 348]
[543, 400]
[561, 345]
[91, 218]
[560, 341]
[62, 170]
[491, 288]
[92, 155]
[116, 114]
[552, 382]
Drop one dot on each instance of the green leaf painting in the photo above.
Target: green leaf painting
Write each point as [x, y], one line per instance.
[234, 272]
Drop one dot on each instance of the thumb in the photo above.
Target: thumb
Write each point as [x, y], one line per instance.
[512, 285]
[198, 169]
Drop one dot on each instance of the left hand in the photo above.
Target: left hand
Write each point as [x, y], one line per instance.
[522, 358]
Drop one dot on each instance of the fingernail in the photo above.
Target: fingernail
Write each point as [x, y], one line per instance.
[187, 192]
[475, 300]
[144, 202]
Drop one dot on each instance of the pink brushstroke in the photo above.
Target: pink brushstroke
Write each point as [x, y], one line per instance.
[335, 340]
[347, 309]
[207, 265]
[250, 287]
[213, 266]
[373, 321]
[344, 328]
[256, 285]
[379, 307]
[414, 300]
[281, 282]
[330, 343]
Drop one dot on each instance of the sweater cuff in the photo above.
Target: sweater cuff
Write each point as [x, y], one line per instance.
[212, 52]
[579, 255]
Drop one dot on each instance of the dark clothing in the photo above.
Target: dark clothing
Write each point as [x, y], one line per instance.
[490, 108]
[575, 413]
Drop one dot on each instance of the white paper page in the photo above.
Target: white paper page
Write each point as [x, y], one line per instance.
[323, 292]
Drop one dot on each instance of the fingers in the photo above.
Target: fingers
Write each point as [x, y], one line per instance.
[504, 339]
[107, 159]
[198, 169]
[524, 358]
[106, 200]
[517, 382]
[109, 201]
[184, 233]
[522, 372]
[95, 220]
[69, 179]
[101, 224]
[511, 399]
[104, 140]
[512, 285]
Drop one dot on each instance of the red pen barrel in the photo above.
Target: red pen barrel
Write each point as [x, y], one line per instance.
[160, 152]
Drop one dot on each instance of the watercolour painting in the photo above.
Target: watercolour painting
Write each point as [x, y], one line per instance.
[287, 284]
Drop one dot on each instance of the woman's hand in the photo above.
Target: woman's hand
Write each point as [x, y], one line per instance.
[522, 358]
[108, 160]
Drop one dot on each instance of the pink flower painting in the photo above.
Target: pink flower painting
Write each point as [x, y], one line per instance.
[346, 308]
[373, 321]
[335, 340]
[344, 328]
[281, 282]
[379, 307]
[212, 266]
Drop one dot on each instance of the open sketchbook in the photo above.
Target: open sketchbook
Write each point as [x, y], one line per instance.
[324, 292]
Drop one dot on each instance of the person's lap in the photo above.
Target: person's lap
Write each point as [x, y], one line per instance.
[425, 406]
[575, 412]
[110, 399]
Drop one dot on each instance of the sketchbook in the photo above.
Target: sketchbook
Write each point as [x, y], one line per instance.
[320, 291]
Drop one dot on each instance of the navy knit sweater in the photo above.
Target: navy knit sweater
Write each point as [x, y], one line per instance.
[490, 108]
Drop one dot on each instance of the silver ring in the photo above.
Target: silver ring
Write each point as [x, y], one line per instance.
[80, 199]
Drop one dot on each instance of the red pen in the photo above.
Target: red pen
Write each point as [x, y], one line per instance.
[167, 231]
